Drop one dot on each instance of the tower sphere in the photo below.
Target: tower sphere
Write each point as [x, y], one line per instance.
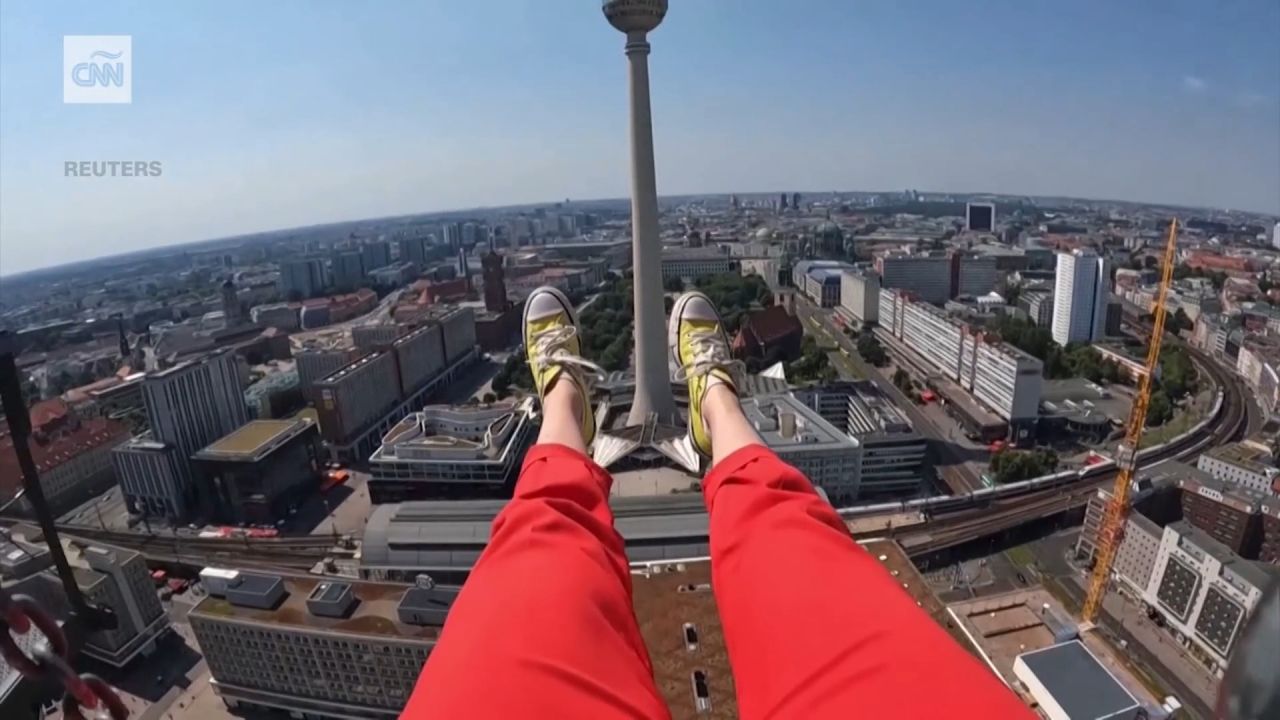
[634, 15]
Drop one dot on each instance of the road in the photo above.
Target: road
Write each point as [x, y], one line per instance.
[957, 471]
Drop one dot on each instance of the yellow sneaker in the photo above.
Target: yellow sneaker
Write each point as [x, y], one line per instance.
[700, 348]
[554, 350]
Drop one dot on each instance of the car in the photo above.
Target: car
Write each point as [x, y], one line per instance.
[1022, 578]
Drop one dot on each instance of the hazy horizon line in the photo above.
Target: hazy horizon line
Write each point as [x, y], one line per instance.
[491, 208]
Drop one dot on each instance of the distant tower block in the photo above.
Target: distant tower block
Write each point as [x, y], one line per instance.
[653, 396]
[495, 286]
[232, 312]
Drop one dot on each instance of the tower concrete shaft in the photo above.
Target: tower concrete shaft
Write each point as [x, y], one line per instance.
[653, 381]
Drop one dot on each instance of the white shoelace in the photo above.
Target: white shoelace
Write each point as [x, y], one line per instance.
[710, 352]
[551, 347]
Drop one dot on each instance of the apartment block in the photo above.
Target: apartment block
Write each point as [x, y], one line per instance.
[1001, 377]
[1244, 465]
[315, 647]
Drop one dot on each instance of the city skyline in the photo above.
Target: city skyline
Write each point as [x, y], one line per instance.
[306, 118]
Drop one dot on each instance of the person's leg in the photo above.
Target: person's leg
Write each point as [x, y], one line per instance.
[814, 626]
[544, 627]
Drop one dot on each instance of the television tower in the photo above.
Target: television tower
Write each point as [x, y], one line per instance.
[653, 396]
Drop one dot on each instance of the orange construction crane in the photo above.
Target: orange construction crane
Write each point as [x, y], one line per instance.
[1112, 530]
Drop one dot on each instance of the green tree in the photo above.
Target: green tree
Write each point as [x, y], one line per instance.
[1160, 409]
[1177, 373]
[673, 284]
[871, 350]
[813, 364]
[1009, 466]
[490, 398]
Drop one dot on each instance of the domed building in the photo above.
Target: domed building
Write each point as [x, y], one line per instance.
[828, 238]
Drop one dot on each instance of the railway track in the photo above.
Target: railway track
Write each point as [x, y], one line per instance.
[944, 529]
[952, 529]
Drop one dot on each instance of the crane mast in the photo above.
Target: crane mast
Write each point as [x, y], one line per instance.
[1112, 531]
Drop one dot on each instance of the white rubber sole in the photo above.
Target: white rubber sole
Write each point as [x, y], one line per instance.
[673, 323]
[528, 303]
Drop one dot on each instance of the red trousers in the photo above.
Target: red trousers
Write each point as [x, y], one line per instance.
[544, 627]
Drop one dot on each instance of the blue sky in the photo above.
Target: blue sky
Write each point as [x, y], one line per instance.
[294, 112]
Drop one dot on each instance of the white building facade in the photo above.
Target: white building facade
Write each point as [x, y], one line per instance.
[1080, 297]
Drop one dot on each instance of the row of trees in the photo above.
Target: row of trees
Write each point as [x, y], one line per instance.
[1008, 466]
[1074, 360]
[1177, 379]
[735, 296]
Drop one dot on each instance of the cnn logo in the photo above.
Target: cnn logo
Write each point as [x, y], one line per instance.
[97, 68]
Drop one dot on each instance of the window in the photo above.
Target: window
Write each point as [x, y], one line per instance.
[701, 692]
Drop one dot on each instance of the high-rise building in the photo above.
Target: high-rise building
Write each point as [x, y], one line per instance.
[188, 406]
[232, 310]
[414, 250]
[302, 278]
[368, 338]
[420, 357]
[782, 202]
[193, 404]
[464, 268]
[653, 383]
[928, 276]
[980, 217]
[1080, 297]
[375, 255]
[348, 270]
[1039, 306]
[1003, 378]
[495, 285]
[860, 296]
[356, 396]
[472, 234]
[316, 363]
[795, 201]
[451, 235]
[973, 275]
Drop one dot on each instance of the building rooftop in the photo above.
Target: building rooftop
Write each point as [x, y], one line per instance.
[1242, 456]
[376, 611]
[255, 440]
[360, 364]
[683, 253]
[455, 433]
[449, 535]
[64, 446]
[1077, 397]
[787, 424]
[1237, 496]
[1079, 683]
[667, 596]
